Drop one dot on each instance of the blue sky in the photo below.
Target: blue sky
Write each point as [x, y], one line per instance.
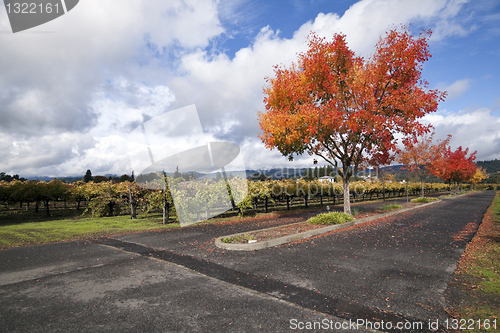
[72, 90]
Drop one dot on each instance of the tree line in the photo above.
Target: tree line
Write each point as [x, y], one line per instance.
[8, 178]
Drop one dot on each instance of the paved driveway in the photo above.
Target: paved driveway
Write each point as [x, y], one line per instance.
[392, 270]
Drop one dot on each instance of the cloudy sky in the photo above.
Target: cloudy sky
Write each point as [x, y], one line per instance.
[72, 90]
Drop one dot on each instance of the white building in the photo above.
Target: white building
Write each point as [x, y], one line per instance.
[327, 179]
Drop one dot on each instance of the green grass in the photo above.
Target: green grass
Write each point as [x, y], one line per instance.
[19, 227]
[29, 233]
[330, 218]
[424, 200]
[237, 239]
[484, 270]
[490, 276]
[487, 266]
[391, 207]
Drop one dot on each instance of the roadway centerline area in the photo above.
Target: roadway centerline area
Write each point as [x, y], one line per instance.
[133, 293]
[305, 298]
[396, 267]
[393, 270]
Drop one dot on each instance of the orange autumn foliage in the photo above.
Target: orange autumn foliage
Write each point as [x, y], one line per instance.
[348, 110]
[418, 157]
[454, 166]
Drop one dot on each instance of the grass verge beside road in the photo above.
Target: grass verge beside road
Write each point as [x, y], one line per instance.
[29, 233]
[477, 279]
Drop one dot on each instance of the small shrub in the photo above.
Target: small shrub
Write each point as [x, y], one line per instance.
[355, 212]
[330, 218]
[390, 207]
[424, 200]
[237, 239]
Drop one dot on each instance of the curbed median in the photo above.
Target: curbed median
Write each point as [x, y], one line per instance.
[259, 245]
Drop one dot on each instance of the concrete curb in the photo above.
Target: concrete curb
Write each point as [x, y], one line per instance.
[301, 235]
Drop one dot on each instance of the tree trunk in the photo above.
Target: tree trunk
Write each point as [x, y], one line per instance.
[133, 204]
[407, 190]
[422, 182]
[383, 189]
[46, 201]
[347, 201]
[166, 209]
[265, 204]
[287, 202]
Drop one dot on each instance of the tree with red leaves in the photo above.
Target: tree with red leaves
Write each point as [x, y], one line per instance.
[348, 110]
[454, 166]
[418, 157]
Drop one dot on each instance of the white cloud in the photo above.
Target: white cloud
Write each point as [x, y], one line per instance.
[257, 157]
[110, 64]
[122, 105]
[456, 89]
[476, 129]
[49, 78]
[54, 82]
[29, 156]
[230, 90]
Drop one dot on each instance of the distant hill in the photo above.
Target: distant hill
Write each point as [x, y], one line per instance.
[48, 179]
[275, 173]
[70, 179]
[490, 166]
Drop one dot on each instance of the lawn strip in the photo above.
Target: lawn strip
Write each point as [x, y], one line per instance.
[474, 293]
[15, 230]
[31, 233]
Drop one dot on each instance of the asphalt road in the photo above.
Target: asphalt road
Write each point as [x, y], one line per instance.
[390, 270]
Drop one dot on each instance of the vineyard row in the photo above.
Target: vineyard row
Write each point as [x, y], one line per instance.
[113, 198]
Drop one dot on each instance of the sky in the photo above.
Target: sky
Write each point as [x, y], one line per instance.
[74, 89]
